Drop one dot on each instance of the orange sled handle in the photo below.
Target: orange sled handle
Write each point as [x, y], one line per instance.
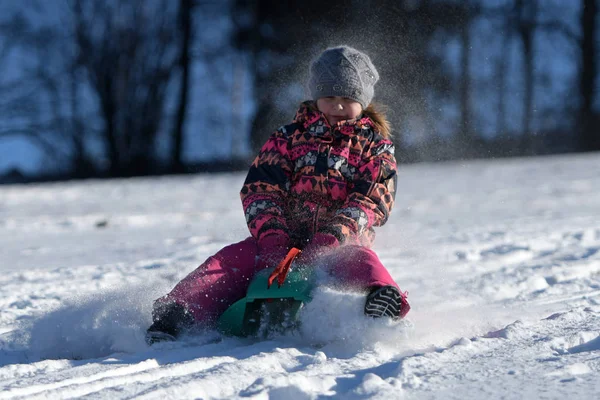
[283, 268]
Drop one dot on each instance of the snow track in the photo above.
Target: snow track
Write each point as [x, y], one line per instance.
[501, 260]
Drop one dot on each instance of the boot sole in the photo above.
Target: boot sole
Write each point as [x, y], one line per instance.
[385, 302]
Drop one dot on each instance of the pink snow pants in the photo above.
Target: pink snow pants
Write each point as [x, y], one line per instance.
[224, 277]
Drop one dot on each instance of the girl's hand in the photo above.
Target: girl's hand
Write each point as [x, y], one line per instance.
[271, 251]
[320, 245]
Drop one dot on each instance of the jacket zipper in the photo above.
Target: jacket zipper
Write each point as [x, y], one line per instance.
[326, 183]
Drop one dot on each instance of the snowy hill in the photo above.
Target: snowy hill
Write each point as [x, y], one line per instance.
[501, 260]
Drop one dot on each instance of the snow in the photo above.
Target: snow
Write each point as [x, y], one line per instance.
[501, 260]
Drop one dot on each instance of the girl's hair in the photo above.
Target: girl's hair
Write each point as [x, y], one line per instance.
[375, 112]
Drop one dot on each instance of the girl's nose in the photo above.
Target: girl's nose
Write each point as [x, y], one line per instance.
[338, 107]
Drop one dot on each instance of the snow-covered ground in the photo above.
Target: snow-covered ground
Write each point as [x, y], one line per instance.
[501, 260]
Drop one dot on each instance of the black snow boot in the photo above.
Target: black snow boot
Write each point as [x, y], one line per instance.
[384, 301]
[170, 320]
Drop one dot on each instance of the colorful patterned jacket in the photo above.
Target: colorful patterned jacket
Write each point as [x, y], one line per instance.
[311, 177]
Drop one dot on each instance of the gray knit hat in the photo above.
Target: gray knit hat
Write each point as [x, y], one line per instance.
[343, 71]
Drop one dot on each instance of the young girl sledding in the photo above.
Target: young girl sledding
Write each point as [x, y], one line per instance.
[320, 183]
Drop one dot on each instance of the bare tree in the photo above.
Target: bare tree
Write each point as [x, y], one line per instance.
[124, 55]
[501, 75]
[37, 101]
[465, 132]
[588, 76]
[127, 50]
[184, 62]
[526, 10]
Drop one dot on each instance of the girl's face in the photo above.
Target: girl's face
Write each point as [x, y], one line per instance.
[336, 108]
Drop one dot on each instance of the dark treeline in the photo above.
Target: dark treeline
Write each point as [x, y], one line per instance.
[107, 89]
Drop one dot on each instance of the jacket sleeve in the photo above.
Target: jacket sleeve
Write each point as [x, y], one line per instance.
[371, 198]
[265, 189]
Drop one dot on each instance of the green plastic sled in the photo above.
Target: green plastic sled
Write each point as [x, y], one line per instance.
[266, 310]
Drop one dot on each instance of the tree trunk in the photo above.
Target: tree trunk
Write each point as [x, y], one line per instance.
[589, 138]
[81, 166]
[501, 76]
[466, 133]
[527, 19]
[185, 19]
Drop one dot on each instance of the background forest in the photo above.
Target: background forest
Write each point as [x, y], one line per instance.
[113, 88]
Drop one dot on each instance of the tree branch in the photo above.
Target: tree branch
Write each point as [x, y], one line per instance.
[562, 28]
[36, 139]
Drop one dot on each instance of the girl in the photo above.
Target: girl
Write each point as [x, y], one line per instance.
[320, 183]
